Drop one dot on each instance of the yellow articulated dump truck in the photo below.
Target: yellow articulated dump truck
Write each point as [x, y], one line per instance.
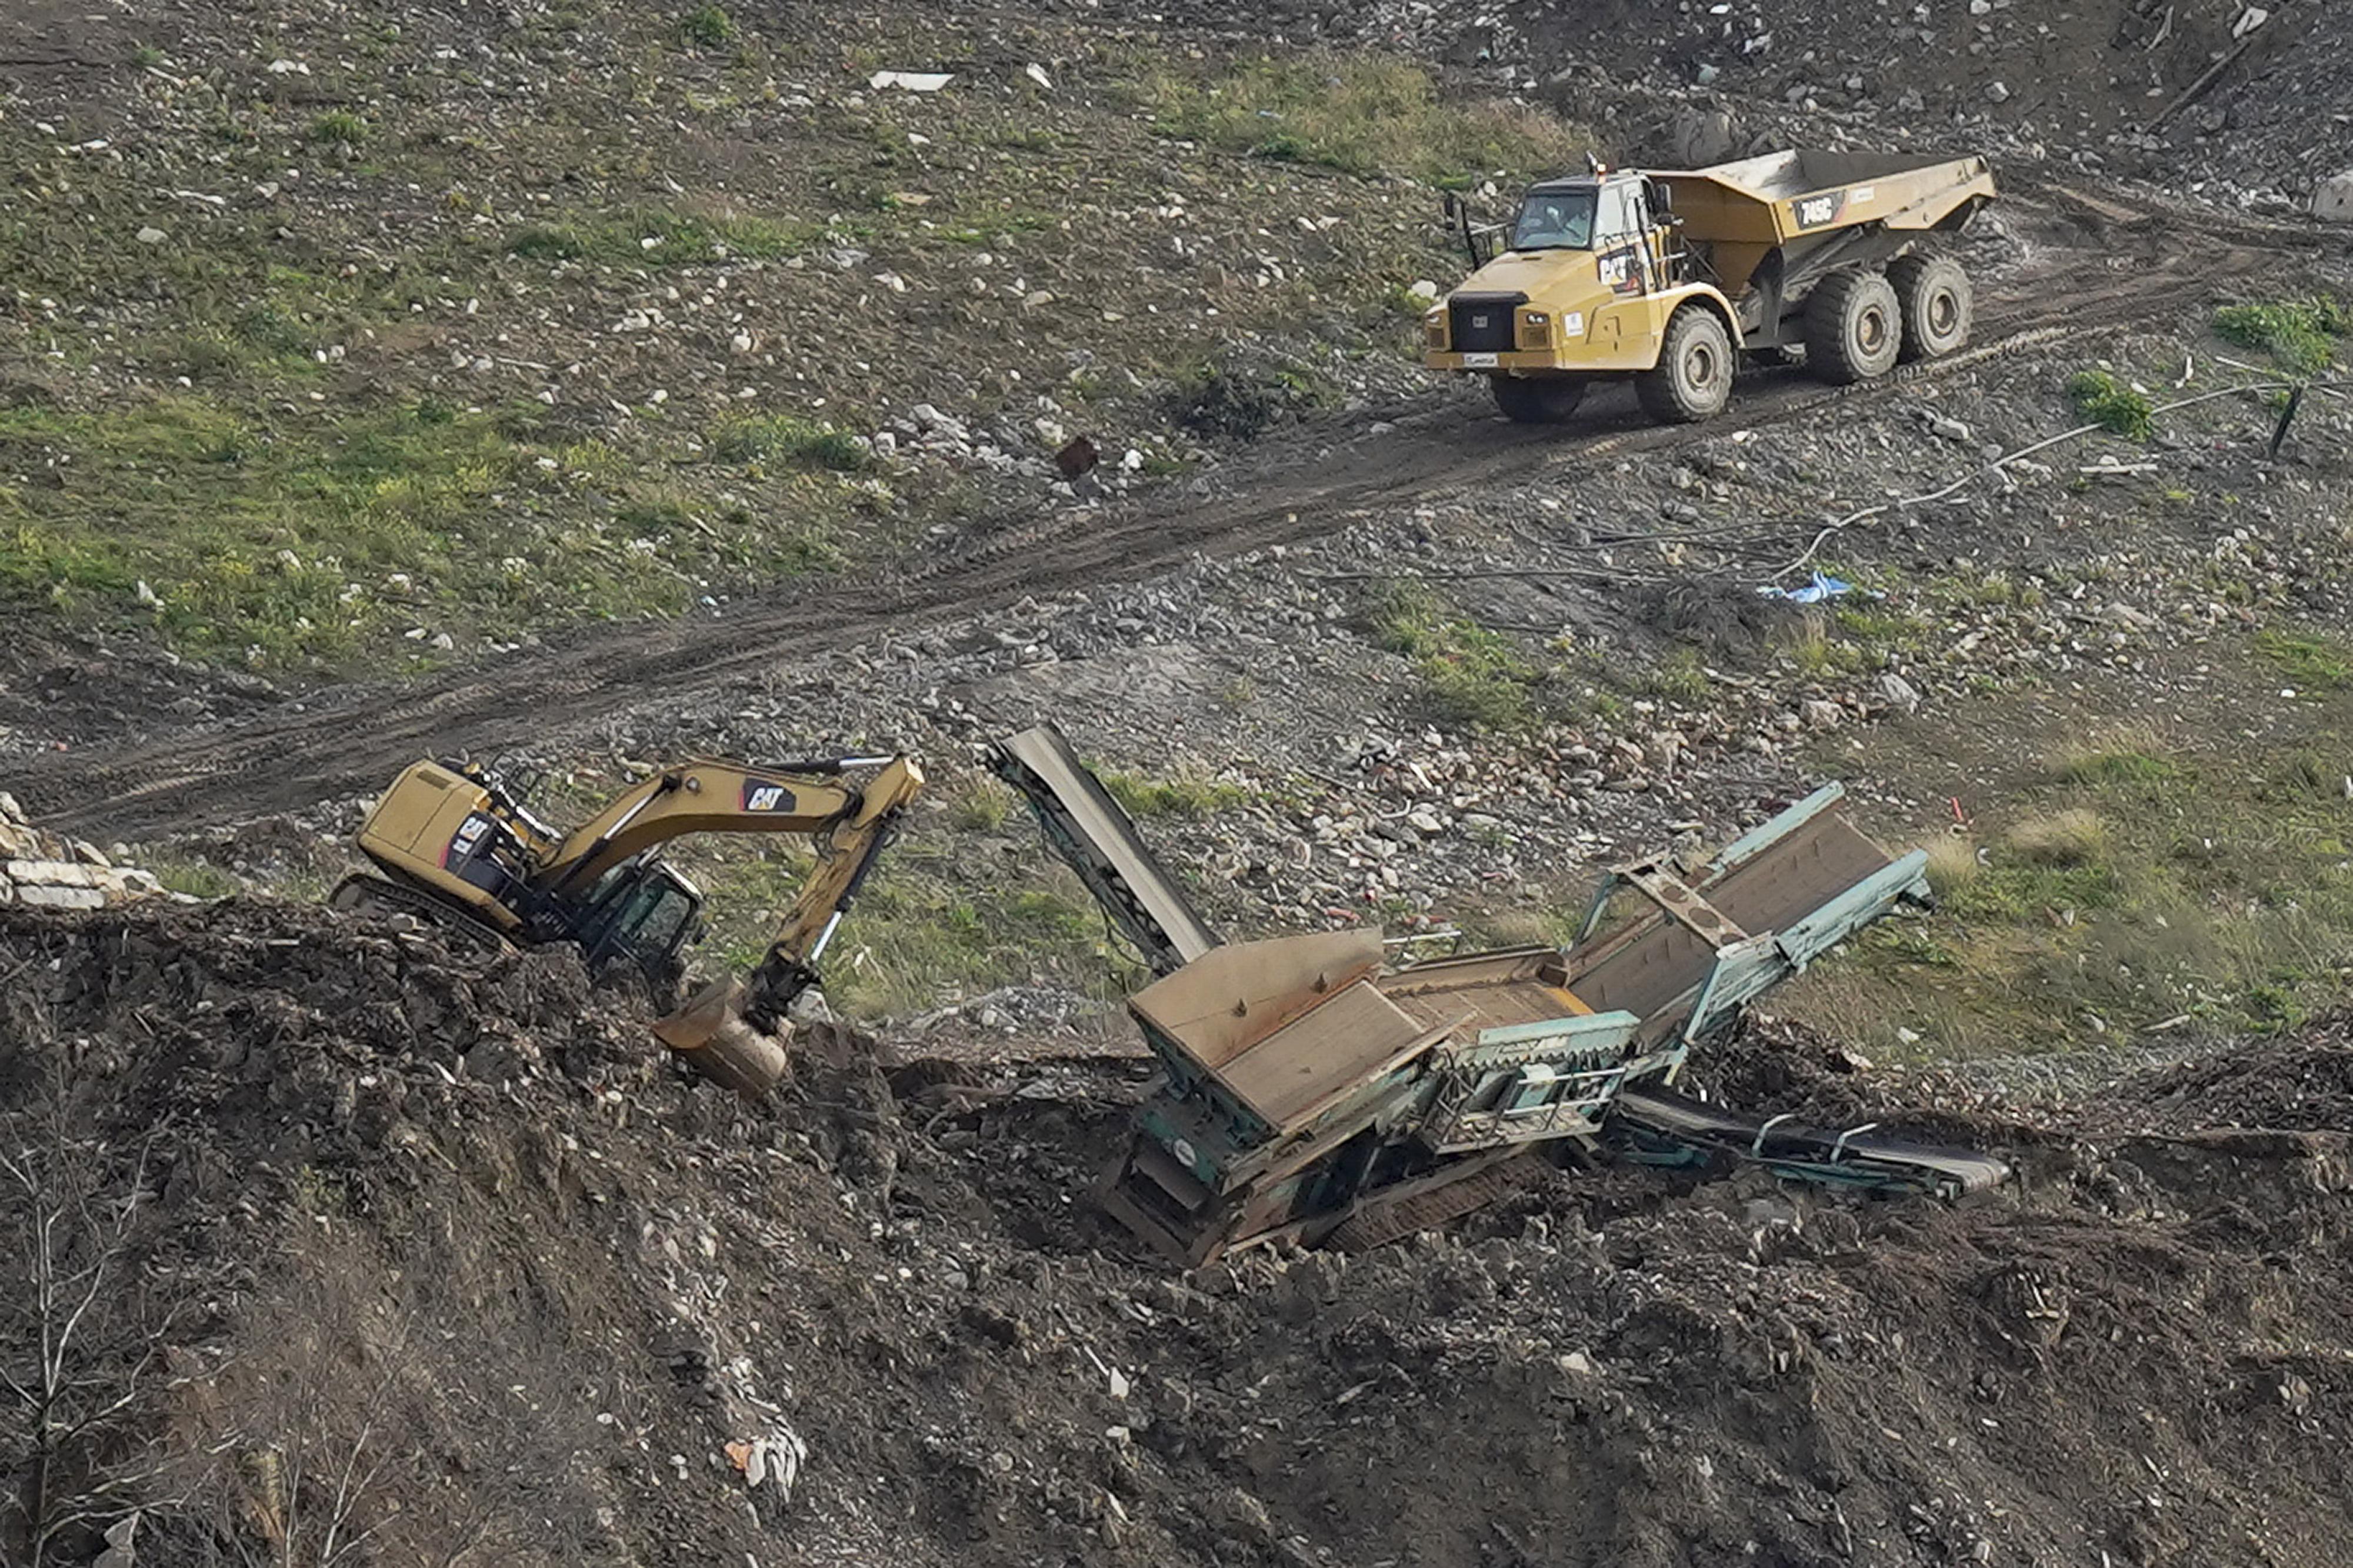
[1668, 278]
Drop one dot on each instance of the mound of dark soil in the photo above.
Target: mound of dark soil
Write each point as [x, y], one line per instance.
[2303, 1083]
[448, 1260]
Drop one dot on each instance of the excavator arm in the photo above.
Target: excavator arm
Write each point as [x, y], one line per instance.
[713, 795]
[735, 1030]
[846, 853]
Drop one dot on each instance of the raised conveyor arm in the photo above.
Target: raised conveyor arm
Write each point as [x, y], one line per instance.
[1087, 829]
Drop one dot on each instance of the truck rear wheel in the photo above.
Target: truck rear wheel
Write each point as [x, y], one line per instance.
[1933, 293]
[1692, 380]
[1853, 328]
[1537, 399]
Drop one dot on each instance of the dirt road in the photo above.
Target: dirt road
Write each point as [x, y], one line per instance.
[2092, 262]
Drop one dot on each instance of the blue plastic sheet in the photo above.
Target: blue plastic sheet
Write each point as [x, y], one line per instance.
[1815, 592]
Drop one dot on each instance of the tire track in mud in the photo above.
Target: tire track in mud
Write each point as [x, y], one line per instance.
[343, 741]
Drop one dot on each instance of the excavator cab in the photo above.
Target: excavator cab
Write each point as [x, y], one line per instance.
[645, 914]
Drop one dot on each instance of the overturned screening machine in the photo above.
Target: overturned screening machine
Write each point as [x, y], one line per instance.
[1314, 1093]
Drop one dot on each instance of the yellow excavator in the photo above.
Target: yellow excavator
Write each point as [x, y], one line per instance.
[454, 843]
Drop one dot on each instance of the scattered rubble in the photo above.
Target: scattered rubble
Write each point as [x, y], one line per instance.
[879, 1316]
[42, 870]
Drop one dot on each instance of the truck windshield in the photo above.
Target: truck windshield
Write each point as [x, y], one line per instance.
[1554, 220]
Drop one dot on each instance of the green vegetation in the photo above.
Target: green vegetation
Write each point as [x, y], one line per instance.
[196, 878]
[1187, 795]
[189, 411]
[983, 805]
[2312, 661]
[2104, 400]
[708, 27]
[1357, 113]
[338, 127]
[927, 928]
[2136, 885]
[2299, 334]
[1681, 676]
[2126, 759]
[1470, 676]
[301, 538]
[789, 439]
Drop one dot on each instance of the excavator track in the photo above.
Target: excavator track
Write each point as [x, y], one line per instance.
[361, 894]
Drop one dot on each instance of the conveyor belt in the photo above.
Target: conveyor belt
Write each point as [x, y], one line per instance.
[1088, 829]
[1811, 1153]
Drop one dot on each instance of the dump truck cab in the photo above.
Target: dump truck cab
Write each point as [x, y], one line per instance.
[1667, 279]
[1588, 283]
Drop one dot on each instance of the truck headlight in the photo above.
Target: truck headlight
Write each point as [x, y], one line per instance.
[1535, 319]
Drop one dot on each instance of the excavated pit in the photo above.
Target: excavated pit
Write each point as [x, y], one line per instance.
[452, 1254]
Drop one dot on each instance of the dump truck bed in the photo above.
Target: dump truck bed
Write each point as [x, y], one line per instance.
[1781, 196]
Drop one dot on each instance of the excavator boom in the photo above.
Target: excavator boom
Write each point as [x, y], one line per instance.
[451, 841]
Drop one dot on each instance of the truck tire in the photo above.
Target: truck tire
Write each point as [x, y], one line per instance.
[1692, 380]
[1537, 399]
[1853, 328]
[1932, 294]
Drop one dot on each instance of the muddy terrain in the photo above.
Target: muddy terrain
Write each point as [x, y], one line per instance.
[465, 1263]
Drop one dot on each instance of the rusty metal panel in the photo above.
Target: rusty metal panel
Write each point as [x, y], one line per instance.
[1230, 997]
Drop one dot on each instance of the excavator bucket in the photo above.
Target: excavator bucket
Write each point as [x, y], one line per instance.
[711, 1033]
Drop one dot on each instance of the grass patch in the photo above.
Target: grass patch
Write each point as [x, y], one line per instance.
[1809, 645]
[708, 27]
[2123, 762]
[1187, 795]
[983, 805]
[2312, 660]
[2132, 887]
[2062, 840]
[304, 539]
[2104, 401]
[928, 928]
[1953, 864]
[195, 878]
[339, 128]
[1359, 114]
[755, 440]
[1681, 676]
[2299, 334]
[1471, 676]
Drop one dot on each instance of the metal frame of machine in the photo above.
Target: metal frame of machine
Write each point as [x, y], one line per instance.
[1312, 1093]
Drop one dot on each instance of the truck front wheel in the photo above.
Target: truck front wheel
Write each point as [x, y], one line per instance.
[1933, 293]
[1692, 380]
[1537, 399]
[1853, 328]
